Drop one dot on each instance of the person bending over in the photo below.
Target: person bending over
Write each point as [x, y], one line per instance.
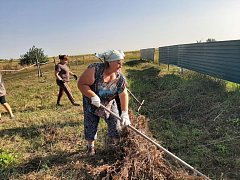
[101, 83]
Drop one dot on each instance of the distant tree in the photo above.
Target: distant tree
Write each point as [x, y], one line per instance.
[199, 41]
[210, 40]
[32, 55]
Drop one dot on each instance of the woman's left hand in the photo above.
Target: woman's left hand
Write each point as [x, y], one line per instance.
[75, 76]
[125, 118]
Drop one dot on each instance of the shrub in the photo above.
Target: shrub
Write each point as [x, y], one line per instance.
[32, 56]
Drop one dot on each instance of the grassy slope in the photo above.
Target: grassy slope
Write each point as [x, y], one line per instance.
[43, 136]
[188, 113]
[194, 116]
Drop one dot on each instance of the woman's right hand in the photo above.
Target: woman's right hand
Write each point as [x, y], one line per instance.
[95, 100]
[61, 81]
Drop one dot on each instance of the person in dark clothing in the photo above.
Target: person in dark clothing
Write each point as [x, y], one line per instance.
[62, 73]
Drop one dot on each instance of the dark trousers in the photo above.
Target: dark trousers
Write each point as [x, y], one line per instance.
[63, 87]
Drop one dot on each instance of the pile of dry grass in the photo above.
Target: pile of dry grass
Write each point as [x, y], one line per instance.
[136, 158]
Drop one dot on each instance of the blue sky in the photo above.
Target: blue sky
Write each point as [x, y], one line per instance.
[87, 26]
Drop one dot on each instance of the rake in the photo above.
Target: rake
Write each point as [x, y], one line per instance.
[156, 144]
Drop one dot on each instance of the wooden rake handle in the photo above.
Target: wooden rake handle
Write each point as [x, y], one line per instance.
[156, 144]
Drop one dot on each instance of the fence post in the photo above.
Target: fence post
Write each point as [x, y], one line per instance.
[38, 68]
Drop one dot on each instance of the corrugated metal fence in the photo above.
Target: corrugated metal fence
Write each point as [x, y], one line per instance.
[147, 54]
[220, 59]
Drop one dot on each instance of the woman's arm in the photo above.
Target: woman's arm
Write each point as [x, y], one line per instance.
[71, 73]
[74, 75]
[85, 81]
[124, 100]
[57, 75]
[124, 106]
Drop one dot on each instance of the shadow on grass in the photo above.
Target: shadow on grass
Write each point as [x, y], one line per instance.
[135, 62]
[71, 162]
[149, 73]
[34, 131]
[39, 163]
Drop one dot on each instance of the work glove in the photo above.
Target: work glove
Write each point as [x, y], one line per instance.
[96, 101]
[125, 118]
[62, 81]
[75, 76]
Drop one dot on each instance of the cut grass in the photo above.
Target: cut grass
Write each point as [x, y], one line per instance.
[196, 117]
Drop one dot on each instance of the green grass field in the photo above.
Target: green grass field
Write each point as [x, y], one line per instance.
[194, 116]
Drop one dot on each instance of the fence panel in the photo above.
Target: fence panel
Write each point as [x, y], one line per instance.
[220, 59]
[169, 55]
[147, 54]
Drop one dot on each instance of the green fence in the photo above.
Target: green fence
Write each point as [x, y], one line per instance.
[220, 58]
